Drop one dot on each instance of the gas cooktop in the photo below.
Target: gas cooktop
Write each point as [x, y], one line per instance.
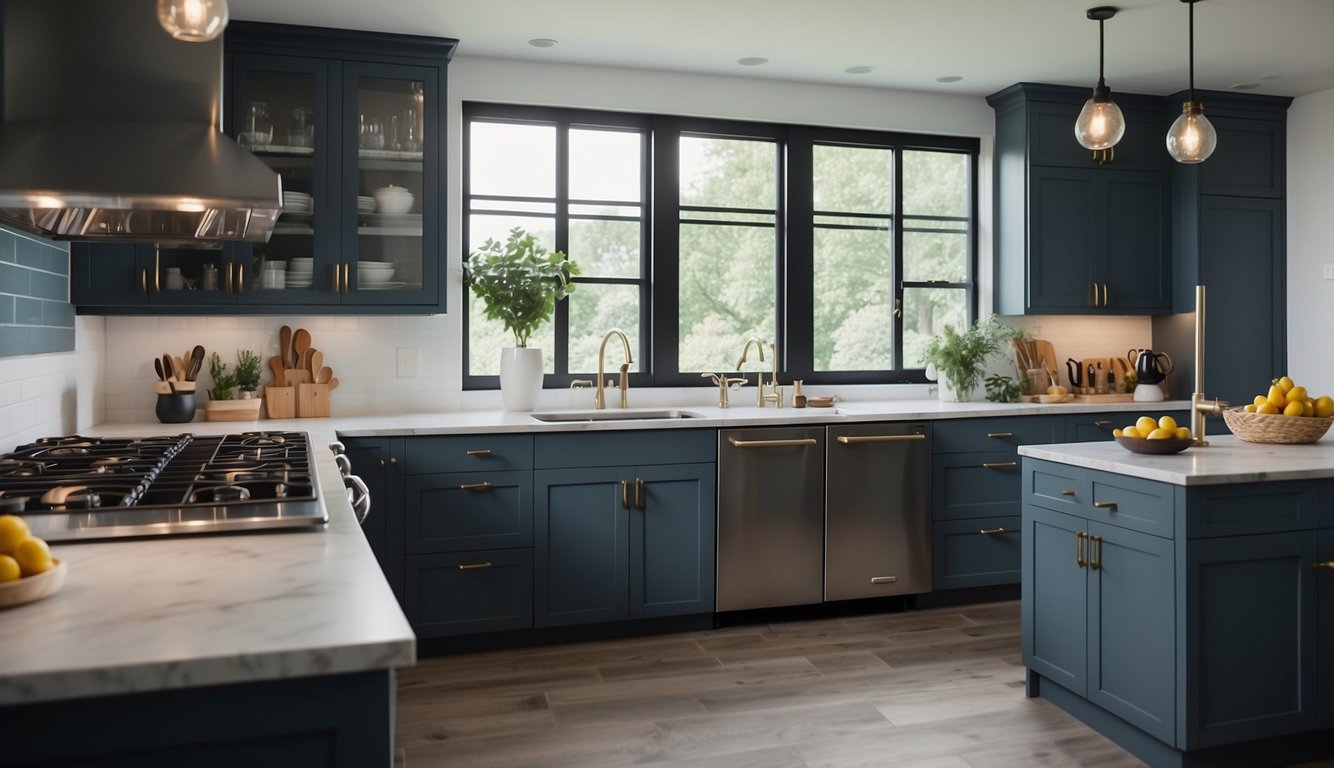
[78, 488]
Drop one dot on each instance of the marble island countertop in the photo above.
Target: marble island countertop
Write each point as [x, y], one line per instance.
[1227, 459]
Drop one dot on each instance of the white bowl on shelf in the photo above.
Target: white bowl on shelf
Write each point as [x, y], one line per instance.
[393, 199]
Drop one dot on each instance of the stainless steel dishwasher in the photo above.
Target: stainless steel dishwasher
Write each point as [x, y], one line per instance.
[877, 510]
[770, 517]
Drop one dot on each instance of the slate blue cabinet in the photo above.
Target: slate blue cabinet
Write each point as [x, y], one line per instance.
[379, 461]
[1196, 614]
[1075, 235]
[624, 542]
[311, 91]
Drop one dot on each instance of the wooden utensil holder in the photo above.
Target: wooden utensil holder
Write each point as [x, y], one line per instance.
[280, 402]
[312, 400]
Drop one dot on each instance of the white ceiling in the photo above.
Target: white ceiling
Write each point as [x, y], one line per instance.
[1283, 47]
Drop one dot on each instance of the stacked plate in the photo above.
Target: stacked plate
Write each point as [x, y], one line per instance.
[297, 202]
[374, 273]
[365, 204]
[300, 272]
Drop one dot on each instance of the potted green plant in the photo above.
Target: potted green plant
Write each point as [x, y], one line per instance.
[248, 371]
[519, 283]
[960, 359]
[224, 381]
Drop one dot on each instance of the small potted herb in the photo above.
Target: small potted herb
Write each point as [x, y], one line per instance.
[960, 359]
[220, 406]
[223, 380]
[248, 370]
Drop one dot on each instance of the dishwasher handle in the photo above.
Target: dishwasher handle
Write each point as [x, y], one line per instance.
[800, 441]
[858, 439]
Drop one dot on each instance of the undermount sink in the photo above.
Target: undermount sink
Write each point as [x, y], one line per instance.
[614, 415]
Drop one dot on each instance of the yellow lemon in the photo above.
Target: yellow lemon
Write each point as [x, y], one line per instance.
[9, 569]
[1285, 382]
[1250, 408]
[1146, 424]
[1267, 408]
[33, 556]
[1293, 408]
[13, 529]
[1162, 434]
[1296, 393]
[1117, 432]
[1324, 406]
[1130, 432]
[1259, 400]
[1308, 408]
[1277, 397]
[1167, 422]
[1181, 433]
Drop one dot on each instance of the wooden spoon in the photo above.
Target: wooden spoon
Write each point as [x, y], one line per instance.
[324, 375]
[300, 343]
[178, 365]
[284, 343]
[196, 362]
[277, 365]
[316, 360]
[333, 384]
[157, 366]
[167, 366]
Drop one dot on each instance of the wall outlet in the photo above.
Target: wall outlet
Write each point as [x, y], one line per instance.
[409, 362]
[1329, 270]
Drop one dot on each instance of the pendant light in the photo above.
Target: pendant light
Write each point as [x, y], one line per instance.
[1100, 124]
[1192, 138]
[194, 21]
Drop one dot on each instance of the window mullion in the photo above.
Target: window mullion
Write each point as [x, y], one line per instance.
[799, 296]
[561, 320]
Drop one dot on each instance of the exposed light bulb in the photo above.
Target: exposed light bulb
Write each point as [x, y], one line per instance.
[194, 21]
[1100, 124]
[1192, 138]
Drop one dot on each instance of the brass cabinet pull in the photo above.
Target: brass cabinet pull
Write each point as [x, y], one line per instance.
[481, 453]
[1095, 552]
[157, 268]
[143, 281]
[1067, 491]
[337, 277]
[228, 278]
[347, 278]
[240, 278]
[625, 494]
[1105, 301]
[858, 439]
[474, 566]
[1079, 549]
[1102, 422]
[393, 460]
[991, 531]
[639, 493]
[1105, 505]
[380, 463]
[1000, 435]
[772, 443]
[1326, 566]
[1094, 302]
[482, 486]
[999, 464]
[884, 579]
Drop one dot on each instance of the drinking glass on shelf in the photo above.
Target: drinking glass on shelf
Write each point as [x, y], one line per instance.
[256, 127]
[412, 141]
[395, 139]
[303, 128]
[372, 133]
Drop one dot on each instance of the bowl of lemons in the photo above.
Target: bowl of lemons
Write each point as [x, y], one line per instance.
[27, 571]
[1156, 436]
[1286, 414]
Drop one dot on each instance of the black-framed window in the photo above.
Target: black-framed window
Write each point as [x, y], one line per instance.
[845, 249]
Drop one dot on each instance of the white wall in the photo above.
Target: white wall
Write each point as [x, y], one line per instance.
[1310, 245]
[362, 350]
[54, 394]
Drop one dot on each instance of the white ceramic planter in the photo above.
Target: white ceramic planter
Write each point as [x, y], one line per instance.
[520, 377]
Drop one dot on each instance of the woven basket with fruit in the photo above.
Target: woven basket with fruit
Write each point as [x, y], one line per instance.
[1285, 414]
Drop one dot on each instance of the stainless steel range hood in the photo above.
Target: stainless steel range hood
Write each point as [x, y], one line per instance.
[111, 130]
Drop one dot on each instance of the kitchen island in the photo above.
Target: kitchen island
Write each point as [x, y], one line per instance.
[1183, 605]
[236, 649]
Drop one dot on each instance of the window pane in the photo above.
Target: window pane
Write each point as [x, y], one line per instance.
[728, 173]
[518, 160]
[605, 248]
[487, 337]
[604, 165]
[726, 293]
[853, 179]
[486, 227]
[926, 312]
[594, 310]
[935, 183]
[854, 300]
[935, 256]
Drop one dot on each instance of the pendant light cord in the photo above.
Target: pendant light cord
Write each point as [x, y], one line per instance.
[1192, 49]
[1100, 52]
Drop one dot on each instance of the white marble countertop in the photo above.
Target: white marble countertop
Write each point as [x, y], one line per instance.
[180, 612]
[1227, 459]
[191, 611]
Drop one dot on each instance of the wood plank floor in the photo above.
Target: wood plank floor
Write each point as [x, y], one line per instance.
[937, 688]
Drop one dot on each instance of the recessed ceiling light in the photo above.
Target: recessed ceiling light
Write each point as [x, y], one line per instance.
[860, 69]
[543, 42]
[948, 79]
[752, 61]
[1245, 86]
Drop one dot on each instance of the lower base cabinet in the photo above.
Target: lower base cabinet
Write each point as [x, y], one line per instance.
[976, 553]
[458, 593]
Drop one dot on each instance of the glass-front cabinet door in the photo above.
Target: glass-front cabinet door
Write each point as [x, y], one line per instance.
[281, 111]
[391, 184]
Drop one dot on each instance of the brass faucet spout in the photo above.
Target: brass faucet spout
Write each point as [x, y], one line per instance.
[600, 398]
[1199, 406]
[759, 375]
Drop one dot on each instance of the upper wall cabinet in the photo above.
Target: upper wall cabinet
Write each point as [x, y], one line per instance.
[354, 125]
[1075, 234]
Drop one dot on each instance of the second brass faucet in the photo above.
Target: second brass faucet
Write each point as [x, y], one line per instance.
[600, 398]
[775, 393]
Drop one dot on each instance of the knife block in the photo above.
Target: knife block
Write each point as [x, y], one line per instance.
[312, 400]
[280, 402]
